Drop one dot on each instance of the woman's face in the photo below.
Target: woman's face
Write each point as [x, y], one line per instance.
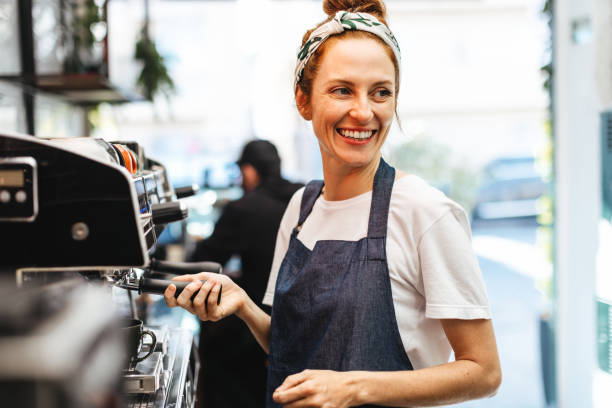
[352, 101]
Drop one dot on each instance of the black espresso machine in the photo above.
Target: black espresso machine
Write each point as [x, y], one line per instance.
[79, 221]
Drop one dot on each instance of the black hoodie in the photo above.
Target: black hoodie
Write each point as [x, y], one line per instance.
[248, 227]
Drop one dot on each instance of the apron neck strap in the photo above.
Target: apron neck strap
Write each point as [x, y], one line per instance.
[311, 193]
[381, 197]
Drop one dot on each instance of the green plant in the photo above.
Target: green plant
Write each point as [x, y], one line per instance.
[154, 77]
[78, 37]
[545, 161]
[547, 69]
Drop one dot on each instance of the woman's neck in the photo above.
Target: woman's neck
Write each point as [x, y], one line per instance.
[343, 182]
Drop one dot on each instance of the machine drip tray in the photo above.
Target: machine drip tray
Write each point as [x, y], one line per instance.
[145, 377]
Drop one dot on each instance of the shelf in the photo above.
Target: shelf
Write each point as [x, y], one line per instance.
[85, 89]
[81, 89]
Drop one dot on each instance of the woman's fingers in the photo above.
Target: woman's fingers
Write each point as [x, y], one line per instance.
[314, 388]
[292, 389]
[171, 289]
[204, 299]
[169, 296]
[184, 299]
[293, 380]
[199, 302]
[293, 394]
[185, 278]
[216, 312]
[204, 303]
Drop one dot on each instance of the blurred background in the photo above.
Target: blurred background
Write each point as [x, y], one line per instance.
[504, 105]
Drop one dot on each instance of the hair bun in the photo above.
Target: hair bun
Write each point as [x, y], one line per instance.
[375, 7]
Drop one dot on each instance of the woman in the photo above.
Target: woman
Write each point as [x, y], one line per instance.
[374, 280]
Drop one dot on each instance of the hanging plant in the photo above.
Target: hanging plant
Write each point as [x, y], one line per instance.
[80, 17]
[154, 77]
[547, 69]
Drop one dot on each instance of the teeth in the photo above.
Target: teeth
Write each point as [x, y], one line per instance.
[356, 135]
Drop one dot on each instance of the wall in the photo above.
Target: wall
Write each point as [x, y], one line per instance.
[579, 61]
[470, 74]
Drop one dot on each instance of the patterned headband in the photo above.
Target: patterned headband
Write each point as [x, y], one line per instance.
[344, 20]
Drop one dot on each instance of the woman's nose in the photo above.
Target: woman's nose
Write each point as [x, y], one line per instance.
[361, 109]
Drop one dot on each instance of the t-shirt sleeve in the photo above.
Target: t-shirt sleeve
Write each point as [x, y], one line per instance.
[452, 280]
[289, 220]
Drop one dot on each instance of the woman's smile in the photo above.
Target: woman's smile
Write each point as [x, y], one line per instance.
[356, 135]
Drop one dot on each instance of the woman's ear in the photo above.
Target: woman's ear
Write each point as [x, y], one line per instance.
[303, 105]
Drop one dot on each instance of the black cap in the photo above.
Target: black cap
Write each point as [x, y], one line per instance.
[262, 155]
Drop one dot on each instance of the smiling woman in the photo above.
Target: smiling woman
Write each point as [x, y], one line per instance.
[374, 281]
[351, 106]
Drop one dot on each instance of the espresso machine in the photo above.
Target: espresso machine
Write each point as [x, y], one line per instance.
[79, 221]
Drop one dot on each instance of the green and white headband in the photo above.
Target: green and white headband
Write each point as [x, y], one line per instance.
[343, 20]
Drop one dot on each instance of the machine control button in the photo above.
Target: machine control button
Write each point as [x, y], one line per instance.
[5, 196]
[187, 191]
[80, 231]
[21, 196]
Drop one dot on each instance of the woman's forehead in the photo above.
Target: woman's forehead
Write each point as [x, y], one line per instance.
[350, 59]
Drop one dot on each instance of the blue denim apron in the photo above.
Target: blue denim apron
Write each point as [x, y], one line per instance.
[333, 308]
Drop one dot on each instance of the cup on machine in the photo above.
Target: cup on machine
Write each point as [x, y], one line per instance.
[135, 335]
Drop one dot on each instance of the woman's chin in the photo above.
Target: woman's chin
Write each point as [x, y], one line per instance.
[356, 159]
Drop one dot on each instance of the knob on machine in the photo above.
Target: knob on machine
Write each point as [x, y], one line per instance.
[128, 157]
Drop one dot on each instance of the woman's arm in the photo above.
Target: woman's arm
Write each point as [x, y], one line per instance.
[234, 300]
[258, 322]
[475, 373]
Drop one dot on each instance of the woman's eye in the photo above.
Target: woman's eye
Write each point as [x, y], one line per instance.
[341, 91]
[382, 93]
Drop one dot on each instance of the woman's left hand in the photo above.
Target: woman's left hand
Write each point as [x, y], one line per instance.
[316, 388]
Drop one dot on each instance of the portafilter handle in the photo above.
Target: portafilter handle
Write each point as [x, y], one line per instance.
[159, 286]
[182, 268]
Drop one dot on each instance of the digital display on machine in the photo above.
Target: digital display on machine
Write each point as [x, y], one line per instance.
[11, 178]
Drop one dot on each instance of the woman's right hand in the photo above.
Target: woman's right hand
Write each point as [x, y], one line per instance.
[233, 297]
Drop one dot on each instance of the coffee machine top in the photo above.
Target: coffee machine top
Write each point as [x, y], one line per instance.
[80, 203]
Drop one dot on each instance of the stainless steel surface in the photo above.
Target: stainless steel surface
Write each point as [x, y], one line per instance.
[145, 376]
[46, 349]
[177, 378]
[58, 342]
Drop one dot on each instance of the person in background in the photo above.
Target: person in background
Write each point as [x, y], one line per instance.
[374, 280]
[233, 365]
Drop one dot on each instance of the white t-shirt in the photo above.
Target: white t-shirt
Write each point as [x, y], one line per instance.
[433, 270]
